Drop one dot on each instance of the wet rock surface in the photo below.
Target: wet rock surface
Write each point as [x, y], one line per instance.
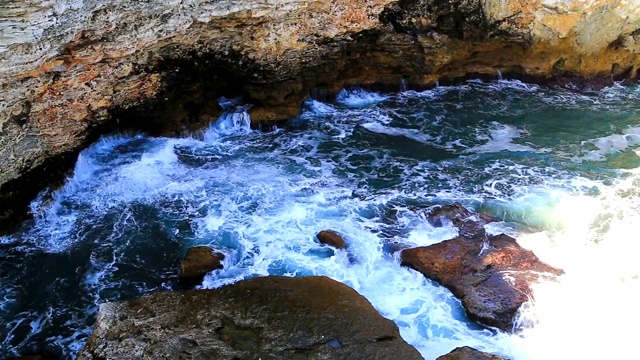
[469, 224]
[198, 261]
[468, 353]
[268, 318]
[332, 238]
[492, 275]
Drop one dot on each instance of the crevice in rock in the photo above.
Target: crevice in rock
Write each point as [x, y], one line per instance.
[385, 338]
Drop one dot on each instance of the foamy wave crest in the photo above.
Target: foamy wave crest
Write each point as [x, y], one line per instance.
[316, 107]
[412, 134]
[358, 98]
[235, 121]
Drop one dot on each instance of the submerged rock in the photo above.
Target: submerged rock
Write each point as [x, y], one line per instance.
[199, 261]
[492, 277]
[468, 353]
[330, 237]
[268, 318]
[469, 223]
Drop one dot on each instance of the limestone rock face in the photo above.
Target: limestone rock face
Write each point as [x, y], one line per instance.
[468, 353]
[261, 318]
[71, 70]
[492, 277]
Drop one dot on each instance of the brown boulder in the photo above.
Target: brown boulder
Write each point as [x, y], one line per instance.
[330, 237]
[262, 318]
[468, 353]
[199, 261]
[492, 277]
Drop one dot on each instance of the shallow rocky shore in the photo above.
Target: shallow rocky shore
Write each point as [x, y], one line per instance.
[316, 317]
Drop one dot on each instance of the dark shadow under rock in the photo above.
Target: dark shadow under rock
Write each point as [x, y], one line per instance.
[269, 318]
[469, 353]
[492, 277]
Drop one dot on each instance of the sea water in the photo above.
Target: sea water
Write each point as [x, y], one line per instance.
[560, 168]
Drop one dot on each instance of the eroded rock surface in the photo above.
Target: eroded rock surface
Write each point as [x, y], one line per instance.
[71, 70]
[468, 353]
[492, 277]
[260, 318]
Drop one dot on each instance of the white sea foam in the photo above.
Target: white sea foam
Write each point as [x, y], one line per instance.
[358, 98]
[611, 144]
[499, 138]
[412, 134]
[595, 301]
[318, 108]
[236, 121]
[513, 85]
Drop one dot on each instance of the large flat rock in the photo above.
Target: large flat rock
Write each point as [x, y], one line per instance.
[261, 318]
[491, 276]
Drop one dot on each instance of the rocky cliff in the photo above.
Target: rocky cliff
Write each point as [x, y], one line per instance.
[71, 70]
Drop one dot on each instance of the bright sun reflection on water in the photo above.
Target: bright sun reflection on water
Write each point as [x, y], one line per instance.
[592, 311]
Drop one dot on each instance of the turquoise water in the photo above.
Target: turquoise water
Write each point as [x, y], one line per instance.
[558, 166]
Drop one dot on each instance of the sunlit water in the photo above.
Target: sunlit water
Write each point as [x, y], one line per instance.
[559, 168]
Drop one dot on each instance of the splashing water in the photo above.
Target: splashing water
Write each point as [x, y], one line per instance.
[559, 167]
[358, 98]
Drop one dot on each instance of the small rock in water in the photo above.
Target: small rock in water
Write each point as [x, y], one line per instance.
[199, 261]
[332, 238]
[469, 353]
[270, 317]
[469, 223]
[491, 276]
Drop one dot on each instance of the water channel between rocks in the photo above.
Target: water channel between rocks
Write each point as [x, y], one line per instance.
[559, 167]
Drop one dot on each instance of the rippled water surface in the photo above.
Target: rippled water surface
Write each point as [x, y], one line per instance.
[559, 167]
